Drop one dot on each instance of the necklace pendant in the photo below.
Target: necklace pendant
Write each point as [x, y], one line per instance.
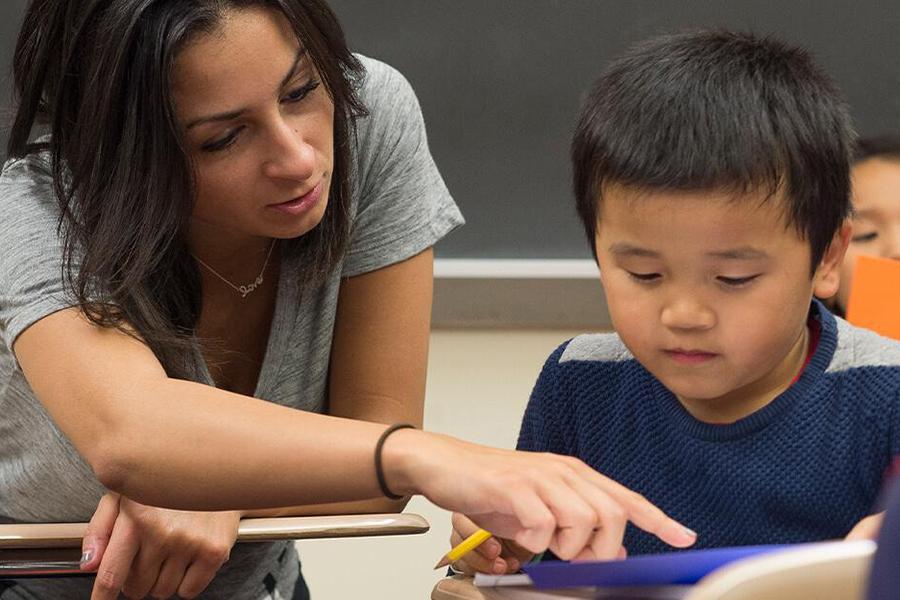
[246, 289]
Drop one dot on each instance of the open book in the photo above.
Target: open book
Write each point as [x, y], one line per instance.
[839, 566]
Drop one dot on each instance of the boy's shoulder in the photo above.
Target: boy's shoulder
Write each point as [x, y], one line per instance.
[859, 348]
[594, 347]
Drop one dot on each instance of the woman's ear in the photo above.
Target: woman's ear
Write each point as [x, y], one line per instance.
[827, 278]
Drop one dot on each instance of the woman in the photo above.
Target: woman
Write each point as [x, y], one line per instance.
[228, 207]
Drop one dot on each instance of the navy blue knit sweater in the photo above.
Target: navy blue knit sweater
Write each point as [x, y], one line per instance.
[806, 467]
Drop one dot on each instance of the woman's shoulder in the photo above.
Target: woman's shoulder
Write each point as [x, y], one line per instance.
[26, 184]
[381, 81]
[389, 99]
[34, 167]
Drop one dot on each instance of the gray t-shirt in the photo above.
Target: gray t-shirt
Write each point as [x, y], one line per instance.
[400, 207]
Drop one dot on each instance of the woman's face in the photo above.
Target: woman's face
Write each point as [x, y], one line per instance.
[259, 128]
[876, 219]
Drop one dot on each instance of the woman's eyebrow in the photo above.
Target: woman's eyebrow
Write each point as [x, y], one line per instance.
[301, 52]
[234, 114]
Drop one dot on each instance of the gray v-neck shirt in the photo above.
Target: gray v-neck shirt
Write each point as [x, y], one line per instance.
[400, 206]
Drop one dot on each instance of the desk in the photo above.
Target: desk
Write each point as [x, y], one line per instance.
[54, 549]
[460, 587]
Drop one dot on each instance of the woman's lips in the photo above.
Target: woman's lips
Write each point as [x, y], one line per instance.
[300, 204]
[690, 357]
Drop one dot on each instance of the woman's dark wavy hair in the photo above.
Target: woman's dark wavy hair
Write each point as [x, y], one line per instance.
[95, 75]
[711, 110]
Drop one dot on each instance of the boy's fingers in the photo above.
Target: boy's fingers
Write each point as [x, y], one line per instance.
[867, 529]
[463, 527]
[98, 532]
[489, 549]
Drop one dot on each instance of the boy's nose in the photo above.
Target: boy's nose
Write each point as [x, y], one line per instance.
[687, 313]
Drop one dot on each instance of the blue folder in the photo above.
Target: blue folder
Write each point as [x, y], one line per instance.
[671, 568]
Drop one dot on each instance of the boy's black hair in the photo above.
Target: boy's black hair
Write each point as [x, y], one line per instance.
[884, 146]
[718, 110]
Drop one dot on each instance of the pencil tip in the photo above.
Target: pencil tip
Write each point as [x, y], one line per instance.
[441, 563]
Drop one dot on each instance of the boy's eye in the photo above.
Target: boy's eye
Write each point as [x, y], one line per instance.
[223, 142]
[737, 281]
[298, 94]
[643, 277]
[864, 237]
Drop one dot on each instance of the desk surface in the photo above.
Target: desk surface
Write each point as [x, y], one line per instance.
[460, 587]
[50, 549]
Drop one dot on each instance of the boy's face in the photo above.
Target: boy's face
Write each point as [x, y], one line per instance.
[876, 218]
[710, 293]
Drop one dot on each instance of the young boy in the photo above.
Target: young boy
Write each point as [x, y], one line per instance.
[711, 176]
[876, 208]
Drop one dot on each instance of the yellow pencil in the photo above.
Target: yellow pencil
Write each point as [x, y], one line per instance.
[464, 547]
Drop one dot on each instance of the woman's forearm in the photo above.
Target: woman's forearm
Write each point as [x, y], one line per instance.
[190, 446]
[360, 507]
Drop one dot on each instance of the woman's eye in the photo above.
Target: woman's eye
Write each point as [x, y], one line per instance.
[737, 281]
[643, 277]
[223, 142]
[298, 94]
[864, 237]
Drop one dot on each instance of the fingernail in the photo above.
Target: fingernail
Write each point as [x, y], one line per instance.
[86, 557]
[499, 567]
[493, 548]
[689, 532]
[514, 565]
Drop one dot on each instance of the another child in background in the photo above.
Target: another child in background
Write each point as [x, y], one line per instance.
[711, 173]
[876, 208]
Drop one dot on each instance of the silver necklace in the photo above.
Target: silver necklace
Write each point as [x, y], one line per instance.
[243, 290]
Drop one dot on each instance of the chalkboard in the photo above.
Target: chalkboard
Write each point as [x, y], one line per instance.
[500, 83]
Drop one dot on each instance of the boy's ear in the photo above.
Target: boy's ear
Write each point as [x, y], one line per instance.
[827, 277]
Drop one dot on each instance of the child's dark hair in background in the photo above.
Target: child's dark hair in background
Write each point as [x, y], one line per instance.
[718, 110]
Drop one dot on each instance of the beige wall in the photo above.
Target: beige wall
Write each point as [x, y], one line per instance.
[478, 384]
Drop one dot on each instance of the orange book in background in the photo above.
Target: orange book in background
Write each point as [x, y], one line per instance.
[874, 301]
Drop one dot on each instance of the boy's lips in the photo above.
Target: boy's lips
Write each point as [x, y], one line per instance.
[690, 357]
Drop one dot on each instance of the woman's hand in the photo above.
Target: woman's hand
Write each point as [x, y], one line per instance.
[146, 551]
[538, 500]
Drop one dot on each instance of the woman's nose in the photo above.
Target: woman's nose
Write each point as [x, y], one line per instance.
[291, 156]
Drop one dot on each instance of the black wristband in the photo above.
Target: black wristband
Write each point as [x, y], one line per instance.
[379, 469]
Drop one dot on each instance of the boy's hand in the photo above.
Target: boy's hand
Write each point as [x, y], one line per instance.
[867, 529]
[495, 556]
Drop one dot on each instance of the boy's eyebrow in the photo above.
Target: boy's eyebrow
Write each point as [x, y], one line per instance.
[234, 114]
[745, 253]
[626, 249]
